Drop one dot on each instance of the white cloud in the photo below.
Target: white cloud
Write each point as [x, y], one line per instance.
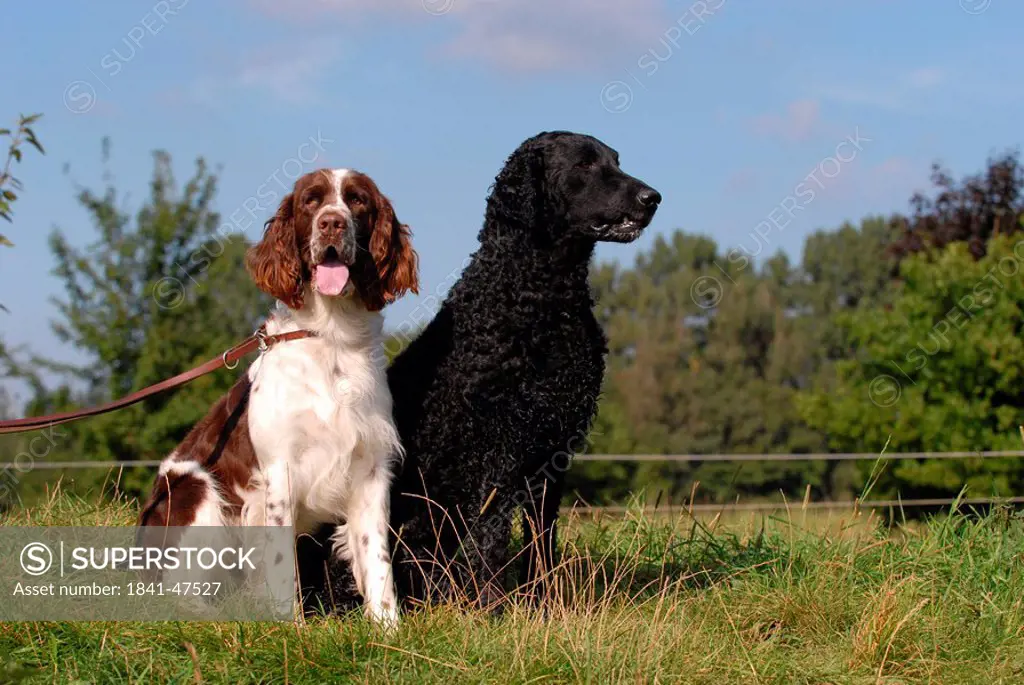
[799, 122]
[290, 76]
[288, 73]
[741, 181]
[891, 92]
[534, 35]
[926, 77]
[516, 35]
[864, 95]
[350, 8]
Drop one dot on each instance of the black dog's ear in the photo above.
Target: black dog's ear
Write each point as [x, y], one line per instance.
[517, 198]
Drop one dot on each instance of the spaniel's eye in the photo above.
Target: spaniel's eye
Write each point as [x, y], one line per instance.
[357, 200]
[312, 200]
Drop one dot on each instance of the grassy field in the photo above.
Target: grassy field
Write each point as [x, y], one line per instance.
[643, 599]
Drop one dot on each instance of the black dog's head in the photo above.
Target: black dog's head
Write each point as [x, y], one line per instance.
[564, 186]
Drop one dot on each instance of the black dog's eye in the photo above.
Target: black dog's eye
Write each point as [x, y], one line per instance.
[590, 164]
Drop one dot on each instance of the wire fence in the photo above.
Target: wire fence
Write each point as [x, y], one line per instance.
[838, 456]
[688, 458]
[74, 465]
[798, 505]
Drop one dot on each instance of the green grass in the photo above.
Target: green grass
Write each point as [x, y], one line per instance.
[642, 599]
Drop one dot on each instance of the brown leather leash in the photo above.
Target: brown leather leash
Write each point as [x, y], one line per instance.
[228, 360]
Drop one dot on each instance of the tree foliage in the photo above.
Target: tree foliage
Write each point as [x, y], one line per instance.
[940, 369]
[10, 186]
[932, 365]
[707, 355]
[972, 210]
[157, 292]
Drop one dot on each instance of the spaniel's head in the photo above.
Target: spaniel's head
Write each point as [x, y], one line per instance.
[335, 235]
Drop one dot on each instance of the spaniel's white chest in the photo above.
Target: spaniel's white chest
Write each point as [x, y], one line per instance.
[323, 414]
[329, 394]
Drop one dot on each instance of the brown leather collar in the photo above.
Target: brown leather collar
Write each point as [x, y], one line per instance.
[229, 359]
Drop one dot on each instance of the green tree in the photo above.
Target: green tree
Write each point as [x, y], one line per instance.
[156, 293]
[706, 352]
[9, 185]
[940, 368]
[842, 269]
[971, 210]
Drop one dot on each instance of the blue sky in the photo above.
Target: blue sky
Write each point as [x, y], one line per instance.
[722, 105]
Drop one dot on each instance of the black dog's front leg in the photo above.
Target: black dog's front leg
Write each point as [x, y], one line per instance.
[540, 533]
[328, 585]
[454, 552]
[483, 554]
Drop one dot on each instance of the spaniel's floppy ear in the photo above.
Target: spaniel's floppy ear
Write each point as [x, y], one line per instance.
[396, 261]
[274, 262]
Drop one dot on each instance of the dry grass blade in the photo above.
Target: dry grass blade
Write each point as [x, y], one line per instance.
[197, 674]
[417, 656]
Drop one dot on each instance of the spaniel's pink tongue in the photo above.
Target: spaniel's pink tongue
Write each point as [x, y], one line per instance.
[331, 278]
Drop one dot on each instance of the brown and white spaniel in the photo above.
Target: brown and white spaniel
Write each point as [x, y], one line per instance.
[306, 437]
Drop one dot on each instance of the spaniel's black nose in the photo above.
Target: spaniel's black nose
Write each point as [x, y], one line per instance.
[649, 197]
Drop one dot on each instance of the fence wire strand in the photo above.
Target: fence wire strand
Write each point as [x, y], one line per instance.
[687, 458]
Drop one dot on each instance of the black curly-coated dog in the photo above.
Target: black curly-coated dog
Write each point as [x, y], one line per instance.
[500, 389]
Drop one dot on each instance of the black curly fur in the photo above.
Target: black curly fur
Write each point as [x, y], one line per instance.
[507, 376]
